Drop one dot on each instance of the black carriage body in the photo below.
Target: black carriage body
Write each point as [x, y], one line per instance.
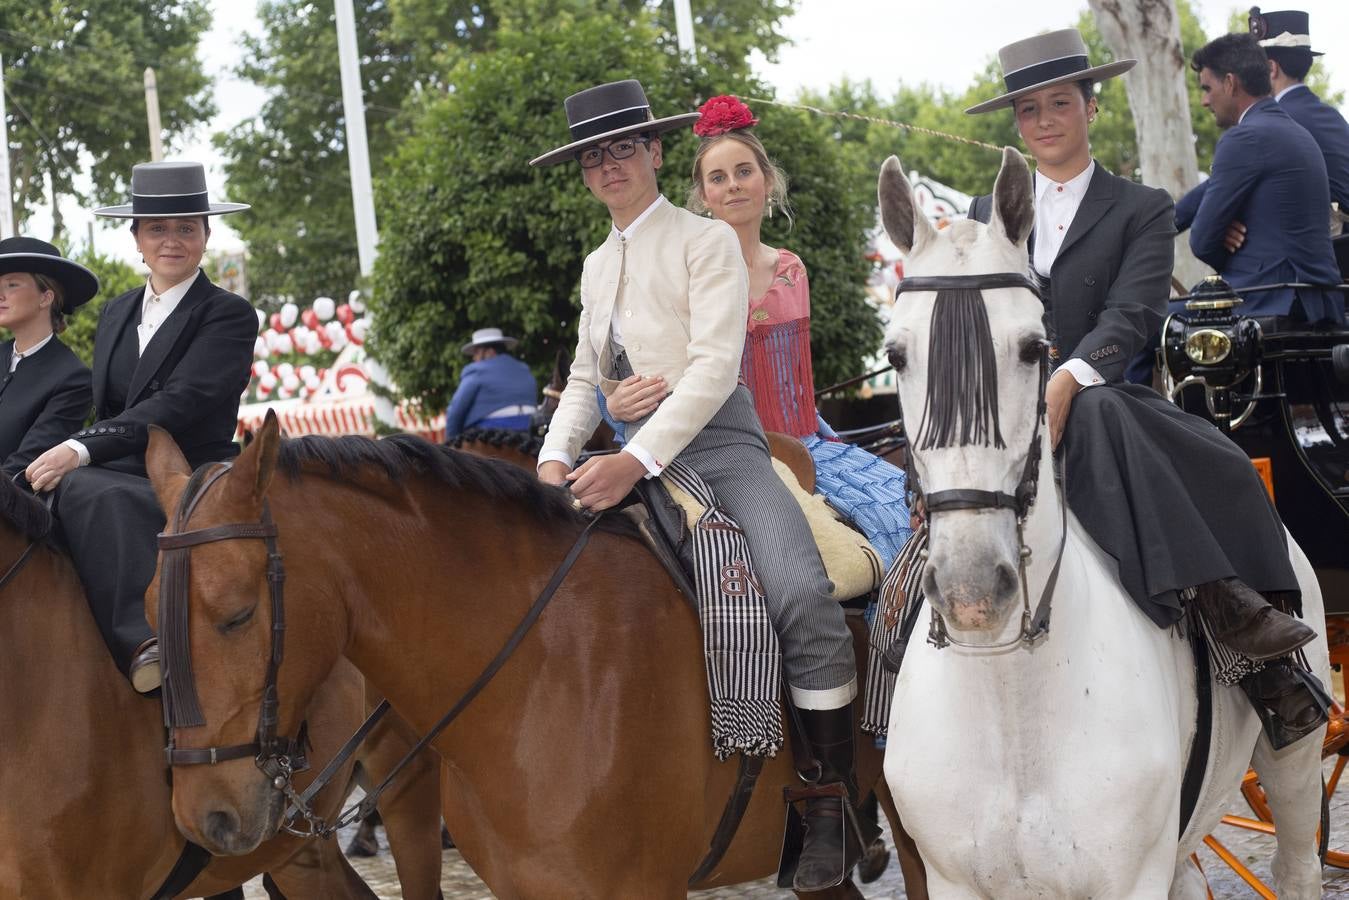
[1300, 420]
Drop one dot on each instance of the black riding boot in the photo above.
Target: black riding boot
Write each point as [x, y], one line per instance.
[1291, 702]
[831, 846]
[1243, 620]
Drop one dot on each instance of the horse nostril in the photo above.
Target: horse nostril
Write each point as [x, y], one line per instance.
[222, 827]
[930, 591]
[1006, 583]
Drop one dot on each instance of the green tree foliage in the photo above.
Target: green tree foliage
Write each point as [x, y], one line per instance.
[472, 236]
[970, 168]
[74, 86]
[290, 161]
[114, 279]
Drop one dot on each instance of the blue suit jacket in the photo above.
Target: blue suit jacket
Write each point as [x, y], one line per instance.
[1331, 133]
[1268, 173]
[487, 386]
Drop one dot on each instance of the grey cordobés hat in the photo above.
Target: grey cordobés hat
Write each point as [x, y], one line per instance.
[169, 190]
[1046, 60]
[608, 111]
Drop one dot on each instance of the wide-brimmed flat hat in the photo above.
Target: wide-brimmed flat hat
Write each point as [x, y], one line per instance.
[169, 190]
[1046, 60]
[488, 336]
[609, 111]
[26, 254]
[1286, 29]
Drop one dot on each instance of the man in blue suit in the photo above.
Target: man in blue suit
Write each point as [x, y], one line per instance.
[1268, 174]
[496, 390]
[1286, 37]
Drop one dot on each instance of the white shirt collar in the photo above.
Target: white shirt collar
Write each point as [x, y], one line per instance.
[1286, 91]
[627, 233]
[1075, 187]
[171, 297]
[15, 355]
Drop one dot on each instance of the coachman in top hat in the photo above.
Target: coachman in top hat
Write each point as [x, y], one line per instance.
[174, 353]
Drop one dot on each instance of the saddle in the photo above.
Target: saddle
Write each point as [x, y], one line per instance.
[664, 515]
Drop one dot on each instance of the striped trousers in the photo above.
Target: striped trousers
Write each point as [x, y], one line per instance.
[731, 455]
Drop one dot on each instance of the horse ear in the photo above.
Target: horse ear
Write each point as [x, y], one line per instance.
[1013, 207]
[904, 222]
[167, 468]
[254, 468]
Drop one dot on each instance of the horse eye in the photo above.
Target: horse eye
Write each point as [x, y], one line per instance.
[898, 358]
[1032, 349]
[239, 621]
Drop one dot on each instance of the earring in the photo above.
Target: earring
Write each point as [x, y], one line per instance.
[770, 207]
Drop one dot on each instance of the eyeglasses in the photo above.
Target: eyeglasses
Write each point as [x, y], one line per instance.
[591, 157]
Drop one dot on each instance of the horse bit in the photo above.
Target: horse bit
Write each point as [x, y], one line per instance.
[1034, 624]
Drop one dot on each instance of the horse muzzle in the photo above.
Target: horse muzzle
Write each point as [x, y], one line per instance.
[973, 590]
[225, 828]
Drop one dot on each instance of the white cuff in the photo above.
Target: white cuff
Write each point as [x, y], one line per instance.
[555, 456]
[653, 465]
[1082, 372]
[830, 698]
[80, 450]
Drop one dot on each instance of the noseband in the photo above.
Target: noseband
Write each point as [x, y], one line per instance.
[277, 756]
[1034, 625]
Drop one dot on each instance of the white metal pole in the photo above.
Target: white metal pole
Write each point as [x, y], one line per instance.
[6, 186]
[358, 150]
[152, 115]
[684, 29]
[362, 192]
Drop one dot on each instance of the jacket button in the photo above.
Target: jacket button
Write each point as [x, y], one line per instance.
[1091, 315]
[1089, 281]
[627, 314]
[627, 278]
[637, 347]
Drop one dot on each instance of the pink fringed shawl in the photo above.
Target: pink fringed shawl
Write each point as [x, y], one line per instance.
[776, 365]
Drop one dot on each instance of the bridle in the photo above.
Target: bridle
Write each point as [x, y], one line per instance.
[278, 756]
[1034, 623]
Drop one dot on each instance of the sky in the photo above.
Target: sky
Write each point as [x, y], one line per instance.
[888, 42]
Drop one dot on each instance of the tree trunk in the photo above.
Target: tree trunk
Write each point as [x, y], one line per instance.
[1149, 31]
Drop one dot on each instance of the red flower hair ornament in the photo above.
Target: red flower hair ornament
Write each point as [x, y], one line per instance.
[722, 114]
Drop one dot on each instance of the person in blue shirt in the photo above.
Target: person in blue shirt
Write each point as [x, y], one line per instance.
[496, 390]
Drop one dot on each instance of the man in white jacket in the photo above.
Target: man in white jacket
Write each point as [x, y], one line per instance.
[667, 295]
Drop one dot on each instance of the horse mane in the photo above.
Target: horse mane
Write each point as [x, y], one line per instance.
[26, 513]
[402, 455]
[962, 375]
[524, 442]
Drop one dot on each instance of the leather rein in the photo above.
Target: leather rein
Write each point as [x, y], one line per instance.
[1034, 623]
[278, 757]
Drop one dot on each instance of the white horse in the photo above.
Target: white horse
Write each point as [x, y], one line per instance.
[1053, 768]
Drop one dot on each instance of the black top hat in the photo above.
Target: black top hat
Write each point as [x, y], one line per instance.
[607, 111]
[26, 254]
[1286, 29]
[168, 190]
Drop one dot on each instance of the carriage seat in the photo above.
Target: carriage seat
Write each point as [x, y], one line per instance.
[667, 515]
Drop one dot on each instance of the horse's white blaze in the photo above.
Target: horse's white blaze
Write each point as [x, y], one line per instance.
[1055, 771]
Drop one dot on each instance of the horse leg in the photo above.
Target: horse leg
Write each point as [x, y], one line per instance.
[910, 862]
[1292, 781]
[1189, 882]
[365, 842]
[411, 812]
[318, 871]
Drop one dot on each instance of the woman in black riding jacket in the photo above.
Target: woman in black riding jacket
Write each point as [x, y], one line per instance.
[1173, 500]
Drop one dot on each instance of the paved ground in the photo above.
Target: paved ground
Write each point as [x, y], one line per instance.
[1253, 849]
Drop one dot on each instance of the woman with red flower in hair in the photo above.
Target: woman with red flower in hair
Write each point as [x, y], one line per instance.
[735, 180]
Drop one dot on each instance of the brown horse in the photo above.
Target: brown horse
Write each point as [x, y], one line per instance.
[584, 769]
[86, 809]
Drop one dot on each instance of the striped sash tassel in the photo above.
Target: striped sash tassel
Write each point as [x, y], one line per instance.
[744, 660]
[901, 599]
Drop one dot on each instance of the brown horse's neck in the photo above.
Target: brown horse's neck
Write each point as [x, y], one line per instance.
[432, 580]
